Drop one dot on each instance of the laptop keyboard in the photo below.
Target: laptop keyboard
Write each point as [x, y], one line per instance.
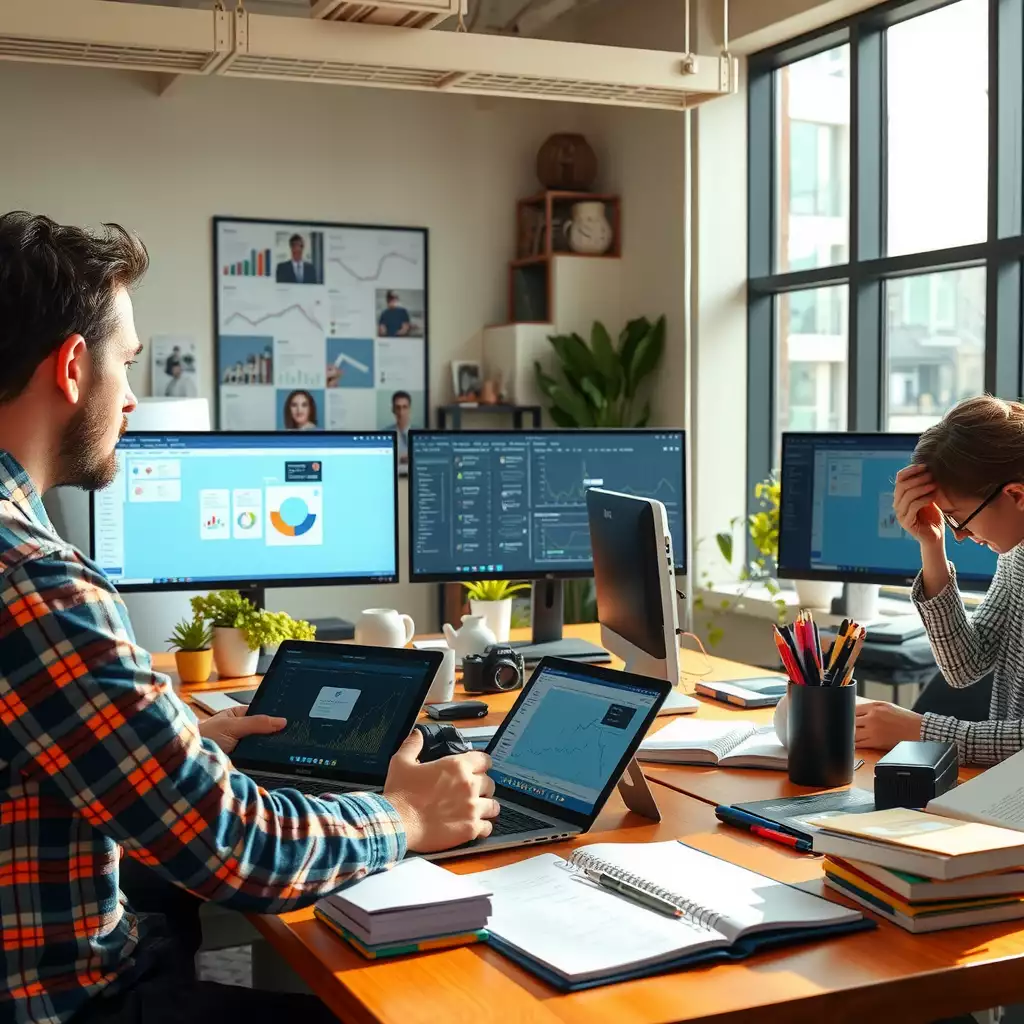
[511, 821]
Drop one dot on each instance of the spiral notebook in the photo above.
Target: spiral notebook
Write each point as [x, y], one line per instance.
[548, 916]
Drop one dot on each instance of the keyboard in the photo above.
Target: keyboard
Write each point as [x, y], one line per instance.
[512, 821]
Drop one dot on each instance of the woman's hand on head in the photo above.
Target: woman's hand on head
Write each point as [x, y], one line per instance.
[914, 504]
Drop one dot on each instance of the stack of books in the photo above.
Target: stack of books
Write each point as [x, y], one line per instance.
[922, 905]
[415, 906]
[956, 863]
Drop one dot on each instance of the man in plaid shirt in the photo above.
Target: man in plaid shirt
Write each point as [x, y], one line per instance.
[98, 757]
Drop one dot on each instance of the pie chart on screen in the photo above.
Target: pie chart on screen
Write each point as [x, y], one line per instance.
[293, 518]
[246, 520]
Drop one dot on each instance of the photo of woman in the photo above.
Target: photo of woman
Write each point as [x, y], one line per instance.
[300, 411]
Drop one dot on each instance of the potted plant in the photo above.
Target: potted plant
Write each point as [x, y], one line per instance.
[229, 614]
[602, 382]
[240, 629]
[193, 656]
[493, 600]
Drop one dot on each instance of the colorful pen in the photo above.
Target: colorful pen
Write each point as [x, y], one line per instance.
[802, 845]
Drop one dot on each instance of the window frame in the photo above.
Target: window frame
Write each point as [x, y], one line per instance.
[867, 270]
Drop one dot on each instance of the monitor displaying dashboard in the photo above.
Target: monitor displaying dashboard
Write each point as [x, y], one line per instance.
[512, 504]
[204, 510]
[836, 521]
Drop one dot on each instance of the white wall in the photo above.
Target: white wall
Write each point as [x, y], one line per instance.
[86, 146]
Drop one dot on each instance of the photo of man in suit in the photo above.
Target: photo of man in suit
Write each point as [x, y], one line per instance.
[296, 270]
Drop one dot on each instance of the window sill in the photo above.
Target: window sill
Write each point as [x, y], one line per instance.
[754, 600]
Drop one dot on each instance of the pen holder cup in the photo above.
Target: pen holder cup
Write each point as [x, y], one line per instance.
[820, 731]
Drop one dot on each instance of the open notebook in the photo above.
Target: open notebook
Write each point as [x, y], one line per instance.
[727, 744]
[548, 916]
[995, 797]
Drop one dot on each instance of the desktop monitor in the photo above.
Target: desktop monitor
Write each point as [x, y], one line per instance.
[512, 505]
[634, 578]
[197, 511]
[837, 523]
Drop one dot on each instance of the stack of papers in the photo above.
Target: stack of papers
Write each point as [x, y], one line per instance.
[415, 906]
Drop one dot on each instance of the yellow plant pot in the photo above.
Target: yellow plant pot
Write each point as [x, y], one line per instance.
[194, 666]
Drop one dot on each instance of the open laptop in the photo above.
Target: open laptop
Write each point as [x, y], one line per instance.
[348, 709]
[562, 749]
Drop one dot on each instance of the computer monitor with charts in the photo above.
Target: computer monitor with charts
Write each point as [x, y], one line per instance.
[248, 511]
[836, 521]
[512, 505]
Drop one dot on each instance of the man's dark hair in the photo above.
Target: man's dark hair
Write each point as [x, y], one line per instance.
[57, 281]
[296, 238]
[401, 394]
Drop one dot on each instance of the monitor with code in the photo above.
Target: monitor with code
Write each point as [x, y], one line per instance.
[512, 504]
[837, 521]
[225, 509]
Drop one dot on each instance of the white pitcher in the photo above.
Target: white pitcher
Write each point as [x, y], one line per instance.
[384, 627]
[473, 638]
[589, 232]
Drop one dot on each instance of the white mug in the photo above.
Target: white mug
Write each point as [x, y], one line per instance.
[442, 689]
[384, 627]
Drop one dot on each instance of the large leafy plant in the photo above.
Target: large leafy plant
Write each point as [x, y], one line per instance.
[601, 384]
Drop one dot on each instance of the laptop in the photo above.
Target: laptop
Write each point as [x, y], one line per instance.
[562, 749]
[348, 709]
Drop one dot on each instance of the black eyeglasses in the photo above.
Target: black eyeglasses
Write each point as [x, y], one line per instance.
[963, 527]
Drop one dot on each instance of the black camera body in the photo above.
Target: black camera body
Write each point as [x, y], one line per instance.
[497, 670]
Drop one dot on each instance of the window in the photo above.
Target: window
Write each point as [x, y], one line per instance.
[935, 345]
[886, 241]
[812, 364]
[812, 115]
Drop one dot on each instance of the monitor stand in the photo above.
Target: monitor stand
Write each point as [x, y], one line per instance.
[547, 602]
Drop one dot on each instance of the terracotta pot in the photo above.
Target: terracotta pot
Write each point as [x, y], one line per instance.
[194, 666]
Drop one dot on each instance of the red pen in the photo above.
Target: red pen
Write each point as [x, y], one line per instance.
[780, 837]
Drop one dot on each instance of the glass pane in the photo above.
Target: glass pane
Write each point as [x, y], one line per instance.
[812, 175]
[811, 360]
[935, 342]
[938, 129]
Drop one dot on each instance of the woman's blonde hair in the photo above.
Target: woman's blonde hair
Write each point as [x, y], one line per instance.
[978, 446]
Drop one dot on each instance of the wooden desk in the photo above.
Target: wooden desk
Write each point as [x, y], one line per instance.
[888, 973]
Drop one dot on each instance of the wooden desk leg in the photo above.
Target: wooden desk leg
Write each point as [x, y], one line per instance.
[636, 793]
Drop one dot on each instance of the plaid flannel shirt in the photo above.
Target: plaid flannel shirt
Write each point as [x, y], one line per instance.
[96, 753]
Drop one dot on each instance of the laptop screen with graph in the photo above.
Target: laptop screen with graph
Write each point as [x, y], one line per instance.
[565, 742]
[512, 504]
[348, 709]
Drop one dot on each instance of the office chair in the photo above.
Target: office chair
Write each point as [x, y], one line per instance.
[970, 704]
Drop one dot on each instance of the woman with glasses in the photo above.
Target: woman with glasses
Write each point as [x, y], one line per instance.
[967, 475]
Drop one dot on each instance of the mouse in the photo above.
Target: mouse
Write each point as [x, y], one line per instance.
[441, 740]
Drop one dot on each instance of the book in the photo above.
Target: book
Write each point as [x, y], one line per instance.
[925, 844]
[931, 919]
[995, 797]
[726, 744]
[763, 692]
[414, 901]
[397, 948]
[792, 814]
[917, 889]
[553, 919]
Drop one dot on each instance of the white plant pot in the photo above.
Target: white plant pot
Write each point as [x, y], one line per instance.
[817, 594]
[231, 653]
[497, 615]
[781, 719]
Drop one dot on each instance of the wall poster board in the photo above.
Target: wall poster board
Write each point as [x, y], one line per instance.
[319, 325]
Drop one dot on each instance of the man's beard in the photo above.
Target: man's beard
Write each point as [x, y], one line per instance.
[84, 460]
